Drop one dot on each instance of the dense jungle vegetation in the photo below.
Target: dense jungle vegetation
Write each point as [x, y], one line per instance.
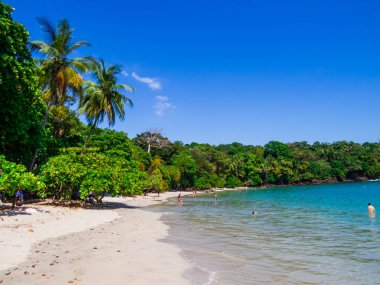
[47, 150]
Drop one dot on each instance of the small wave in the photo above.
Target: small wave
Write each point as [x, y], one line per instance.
[200, 274]
[211, 278]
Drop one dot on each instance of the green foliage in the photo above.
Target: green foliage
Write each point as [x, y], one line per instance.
[156, 182]
[156, 173]
[188, 168]
[172, 176]
[209, 181]
[118, 143]
[65, 125]
[233, 182]
[103, 98]
[60, 72]
[14, 176]
[95, 173]
[21, 106]
[275, 163]
[203, 183]
[374, 171]
[277, 150]
[254, 179]
[203, 164]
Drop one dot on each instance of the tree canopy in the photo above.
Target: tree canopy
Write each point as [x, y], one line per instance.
[20, 105]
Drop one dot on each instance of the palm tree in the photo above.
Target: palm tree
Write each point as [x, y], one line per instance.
[102, 98]
[60, 74]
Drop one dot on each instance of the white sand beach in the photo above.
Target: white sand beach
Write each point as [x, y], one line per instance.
[55, 245]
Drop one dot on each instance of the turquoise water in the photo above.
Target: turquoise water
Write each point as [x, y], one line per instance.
[301, 235]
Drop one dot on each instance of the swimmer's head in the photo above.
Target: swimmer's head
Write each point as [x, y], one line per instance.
[369, 204]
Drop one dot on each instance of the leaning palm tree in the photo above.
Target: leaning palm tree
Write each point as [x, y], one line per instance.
[102, 98]
[60, 77]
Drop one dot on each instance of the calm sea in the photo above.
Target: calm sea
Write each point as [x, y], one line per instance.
[301, 235]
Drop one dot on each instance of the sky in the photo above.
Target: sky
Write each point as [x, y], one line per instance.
[218, 72]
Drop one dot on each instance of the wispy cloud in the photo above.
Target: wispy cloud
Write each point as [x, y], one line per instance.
[123, 72]
[162, 105]
[153, 83]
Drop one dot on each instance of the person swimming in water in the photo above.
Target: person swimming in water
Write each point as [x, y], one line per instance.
[371, 209]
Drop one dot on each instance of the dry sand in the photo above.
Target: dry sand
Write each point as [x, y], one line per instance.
[53, 245]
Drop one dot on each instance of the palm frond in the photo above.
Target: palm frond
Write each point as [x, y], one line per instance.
[114, 69]
[101, 99]
[64, 36]
[128, 102]
[48, 28]
[77, 45]
[81, 66]
[44, 48]
[125, 87]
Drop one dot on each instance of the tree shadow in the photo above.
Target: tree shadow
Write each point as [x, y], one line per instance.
[9, 212]
[6, 210]
[109, 205]
[80, 204]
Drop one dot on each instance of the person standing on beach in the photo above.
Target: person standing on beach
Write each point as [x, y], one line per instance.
[371, 209]
[18, 199]
[2, 196]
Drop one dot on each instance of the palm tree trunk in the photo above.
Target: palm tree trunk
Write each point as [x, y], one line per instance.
[89, 135]
[43, 127]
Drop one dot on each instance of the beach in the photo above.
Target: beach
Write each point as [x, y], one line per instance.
[55, 245]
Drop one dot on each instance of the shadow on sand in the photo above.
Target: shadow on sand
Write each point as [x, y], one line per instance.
[6, 210]
[109, 205]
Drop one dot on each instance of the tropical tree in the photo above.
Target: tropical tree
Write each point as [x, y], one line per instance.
[102, 98]
[187, 167]
[60, 77]
[151, 138]
[156, 181]
[21, 107]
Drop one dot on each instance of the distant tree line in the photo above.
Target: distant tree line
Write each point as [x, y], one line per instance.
[47, 150]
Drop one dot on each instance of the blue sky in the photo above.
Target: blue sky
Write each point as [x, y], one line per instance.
[225, 71]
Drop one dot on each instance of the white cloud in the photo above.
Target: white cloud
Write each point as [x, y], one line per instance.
[153, 83]
[162, 105]
[123, 72]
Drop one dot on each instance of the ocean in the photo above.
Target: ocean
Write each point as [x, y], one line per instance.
[319, 234]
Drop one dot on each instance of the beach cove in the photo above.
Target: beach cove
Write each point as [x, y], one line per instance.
[54, 245]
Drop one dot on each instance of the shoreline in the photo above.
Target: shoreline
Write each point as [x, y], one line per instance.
[97, 246]
[31, 240]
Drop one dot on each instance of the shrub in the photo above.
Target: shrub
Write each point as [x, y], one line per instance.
[14, 176]
[91, 173]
